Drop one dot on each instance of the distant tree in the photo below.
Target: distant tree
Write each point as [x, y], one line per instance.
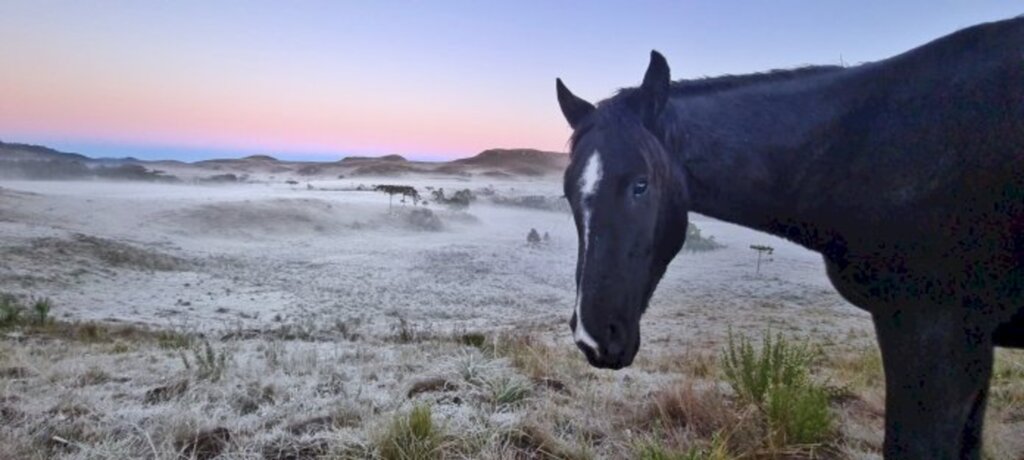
[762, 251]
[459, 200]
[533, 237]
[697, 242]
[403, 190]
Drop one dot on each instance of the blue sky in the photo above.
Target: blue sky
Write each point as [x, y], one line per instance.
[311, 79]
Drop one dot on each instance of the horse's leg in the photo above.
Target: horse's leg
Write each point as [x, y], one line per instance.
[971, 437]
[937, 368]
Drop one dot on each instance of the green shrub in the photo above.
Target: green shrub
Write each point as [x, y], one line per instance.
[473, 339]
[798, 414]
[10, 310]
[208, 363]
[750, 372]
[776, 379]
[41, 310]
[412, 436]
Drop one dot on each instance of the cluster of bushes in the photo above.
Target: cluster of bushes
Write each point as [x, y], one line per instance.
[533, 202]
[458, 200]
[133, 171]
[222, 179]
[14, 313]
[696, 242]
[534, 238]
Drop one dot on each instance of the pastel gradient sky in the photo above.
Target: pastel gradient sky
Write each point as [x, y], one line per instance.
[324, 79]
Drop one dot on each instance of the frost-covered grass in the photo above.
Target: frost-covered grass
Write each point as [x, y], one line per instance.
[123, 393]
[312, 321]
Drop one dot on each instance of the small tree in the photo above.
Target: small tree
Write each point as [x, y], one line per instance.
[403, 190]
[762, 251]
[533, 237]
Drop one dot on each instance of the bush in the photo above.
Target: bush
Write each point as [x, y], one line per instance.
[423, 219]
[750, 371]
[459, 200]
[533, 237]
[695, 242]
[41, 310]
[473, 339]
[797, 414]
[411, 437]
[10, 310]
[776, 379]
[208, 363]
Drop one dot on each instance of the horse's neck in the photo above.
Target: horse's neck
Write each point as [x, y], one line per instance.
[744, 155]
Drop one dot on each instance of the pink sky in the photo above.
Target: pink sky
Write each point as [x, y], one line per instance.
[448, 79]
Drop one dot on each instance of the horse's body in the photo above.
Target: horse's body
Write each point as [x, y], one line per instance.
[906, 174]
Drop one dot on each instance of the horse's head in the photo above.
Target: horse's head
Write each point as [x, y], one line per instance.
[629, 204]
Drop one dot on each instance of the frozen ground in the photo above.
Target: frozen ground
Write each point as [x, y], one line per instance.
[335, 312]
[249, 256]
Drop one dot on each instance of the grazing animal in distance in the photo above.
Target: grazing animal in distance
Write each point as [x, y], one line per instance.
[905, 174]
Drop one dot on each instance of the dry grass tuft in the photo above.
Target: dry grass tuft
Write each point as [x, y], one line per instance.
[703, 413]
[203, 444]
[528, 441]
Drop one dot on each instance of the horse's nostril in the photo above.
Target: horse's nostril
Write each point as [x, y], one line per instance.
[613, 332]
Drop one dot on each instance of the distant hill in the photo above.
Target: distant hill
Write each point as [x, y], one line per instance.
[388, 158]
[39, 162]
[17, 152]
[260, 158]
[527, 162]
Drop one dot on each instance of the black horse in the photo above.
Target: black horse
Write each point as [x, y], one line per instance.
[906, 174]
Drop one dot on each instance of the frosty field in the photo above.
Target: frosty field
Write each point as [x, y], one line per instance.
[268, 320]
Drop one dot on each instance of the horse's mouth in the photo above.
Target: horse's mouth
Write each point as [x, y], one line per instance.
[605, 360]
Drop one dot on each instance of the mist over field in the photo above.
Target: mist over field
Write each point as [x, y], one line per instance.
[258, 308]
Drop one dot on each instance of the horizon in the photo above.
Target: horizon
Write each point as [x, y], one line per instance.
[318, 81]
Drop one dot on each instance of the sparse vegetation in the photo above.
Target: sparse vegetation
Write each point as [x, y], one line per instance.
[533, 238]
[508, 390]
[207, 363]
[697, 242]
[411, 436]
[41, 310]
[776, 379]
[11, 310]
[460, 200]
[540, 202]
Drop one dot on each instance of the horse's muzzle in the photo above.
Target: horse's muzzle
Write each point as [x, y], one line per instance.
[613, 353]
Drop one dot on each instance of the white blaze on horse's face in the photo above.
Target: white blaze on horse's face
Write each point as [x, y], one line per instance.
[588, 183]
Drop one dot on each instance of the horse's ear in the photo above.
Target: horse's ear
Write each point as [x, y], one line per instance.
[574, 108]
[652, 96]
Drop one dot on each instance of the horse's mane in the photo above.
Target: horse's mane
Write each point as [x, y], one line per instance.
[726, 82]
[710, 85]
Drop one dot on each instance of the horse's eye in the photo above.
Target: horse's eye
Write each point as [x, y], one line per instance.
[639, 187]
